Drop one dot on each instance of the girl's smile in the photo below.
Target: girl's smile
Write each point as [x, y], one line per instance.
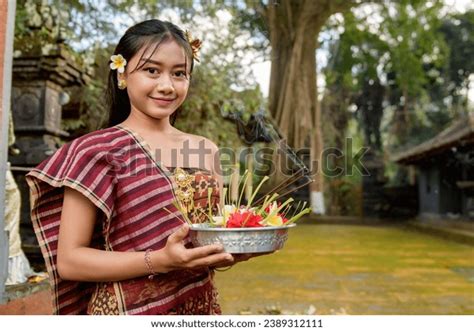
[163, 101]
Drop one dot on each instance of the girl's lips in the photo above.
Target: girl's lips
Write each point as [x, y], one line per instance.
[162, 102]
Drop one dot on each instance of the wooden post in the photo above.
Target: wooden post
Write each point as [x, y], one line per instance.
[7, 30]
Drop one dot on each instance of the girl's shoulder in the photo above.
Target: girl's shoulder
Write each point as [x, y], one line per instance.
[198, 141]
[103, 139]
[87, 164]
[96, 147]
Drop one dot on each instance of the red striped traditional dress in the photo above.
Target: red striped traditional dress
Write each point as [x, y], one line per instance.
[114, 168]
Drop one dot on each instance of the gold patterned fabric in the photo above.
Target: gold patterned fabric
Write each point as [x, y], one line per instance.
[103, 301]
[192, 185]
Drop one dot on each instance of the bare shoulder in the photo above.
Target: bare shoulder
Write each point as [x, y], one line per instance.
[201, 142]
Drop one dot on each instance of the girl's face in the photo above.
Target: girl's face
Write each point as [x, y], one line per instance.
[160, 86]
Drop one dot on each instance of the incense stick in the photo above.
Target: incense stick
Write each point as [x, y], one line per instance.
[297, 188]
[285, 184]
[279, 186]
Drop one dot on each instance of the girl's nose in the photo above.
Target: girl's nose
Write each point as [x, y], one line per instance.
[165, 84]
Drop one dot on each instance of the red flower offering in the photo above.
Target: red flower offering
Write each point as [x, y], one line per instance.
[244, 219]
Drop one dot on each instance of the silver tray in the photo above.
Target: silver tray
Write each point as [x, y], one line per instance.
[241, 240]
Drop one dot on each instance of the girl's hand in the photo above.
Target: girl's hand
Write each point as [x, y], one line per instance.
[176, 256]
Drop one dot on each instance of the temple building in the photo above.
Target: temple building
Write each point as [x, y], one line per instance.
[445, 171]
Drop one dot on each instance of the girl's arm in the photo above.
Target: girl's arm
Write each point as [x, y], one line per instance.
[77, 261]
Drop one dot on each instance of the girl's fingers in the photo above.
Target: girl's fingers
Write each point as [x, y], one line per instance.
[211, 260]
[198, 256]
[204, 251]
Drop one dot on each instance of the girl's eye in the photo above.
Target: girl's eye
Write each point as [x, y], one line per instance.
[180, 74]
[152, 71]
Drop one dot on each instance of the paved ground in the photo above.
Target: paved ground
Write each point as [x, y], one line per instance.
[352, 269]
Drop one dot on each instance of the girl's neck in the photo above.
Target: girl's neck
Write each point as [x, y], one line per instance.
[144, 124]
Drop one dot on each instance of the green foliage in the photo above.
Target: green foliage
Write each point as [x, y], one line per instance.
[411, 30]
[220, 81]
[210, 93]
[454, 79]
[420, 57]
[88, 100]
[405, 52]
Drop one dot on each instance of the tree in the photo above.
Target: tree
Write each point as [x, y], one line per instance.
[436, 47]
[411, 33]
[293, 29]
[352, 91]
[92, 37]
[459, 37]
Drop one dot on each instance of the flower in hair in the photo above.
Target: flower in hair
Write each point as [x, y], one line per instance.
[195, 44]
[118, 62]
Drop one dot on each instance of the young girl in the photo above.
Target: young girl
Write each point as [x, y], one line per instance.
[102, 205]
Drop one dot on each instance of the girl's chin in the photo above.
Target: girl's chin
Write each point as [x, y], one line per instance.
[160, 115]
[156, 114]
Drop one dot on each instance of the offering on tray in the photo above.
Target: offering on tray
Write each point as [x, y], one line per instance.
[250, 228]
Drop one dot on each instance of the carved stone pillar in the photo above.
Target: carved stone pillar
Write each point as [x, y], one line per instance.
[37, 99]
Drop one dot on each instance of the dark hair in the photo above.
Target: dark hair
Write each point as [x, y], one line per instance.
[149, 33]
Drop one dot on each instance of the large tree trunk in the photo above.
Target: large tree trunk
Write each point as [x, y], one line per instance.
[294, 28]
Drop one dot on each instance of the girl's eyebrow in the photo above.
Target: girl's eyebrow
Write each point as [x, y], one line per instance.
[159, 63]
